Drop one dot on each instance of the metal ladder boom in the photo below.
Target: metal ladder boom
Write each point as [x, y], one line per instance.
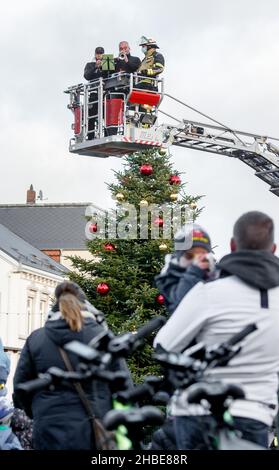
[256, 151]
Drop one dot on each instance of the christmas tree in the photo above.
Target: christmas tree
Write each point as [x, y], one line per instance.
[119, 280]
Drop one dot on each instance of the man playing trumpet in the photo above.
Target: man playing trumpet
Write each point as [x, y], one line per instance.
[125, 62]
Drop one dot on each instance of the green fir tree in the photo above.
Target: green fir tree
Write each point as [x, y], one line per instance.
[128, 266]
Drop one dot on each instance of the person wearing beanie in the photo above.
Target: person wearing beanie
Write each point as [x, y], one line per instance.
[191, 262]
[244, 291]
[8, 440]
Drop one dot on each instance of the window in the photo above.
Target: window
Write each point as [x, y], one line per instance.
[43, 311]
[30, 314]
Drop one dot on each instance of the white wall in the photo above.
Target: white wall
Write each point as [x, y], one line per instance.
[81, 253]
[17, 284]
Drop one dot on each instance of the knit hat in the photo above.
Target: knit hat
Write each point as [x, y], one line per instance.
[201, 238]
[190, 236]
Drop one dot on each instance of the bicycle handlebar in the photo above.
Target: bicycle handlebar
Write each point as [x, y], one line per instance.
[36, 385]
[147, 329]
[146, 390]
[218, 355]
[123, 345]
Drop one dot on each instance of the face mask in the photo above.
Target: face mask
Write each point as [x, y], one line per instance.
[144, 49]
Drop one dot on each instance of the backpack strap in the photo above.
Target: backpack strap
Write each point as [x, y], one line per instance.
[81, 393]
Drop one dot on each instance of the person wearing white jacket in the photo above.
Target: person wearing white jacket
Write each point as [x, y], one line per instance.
[246, 290]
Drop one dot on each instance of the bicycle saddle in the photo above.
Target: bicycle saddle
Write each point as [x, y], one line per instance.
[214, 391]
[130, 418]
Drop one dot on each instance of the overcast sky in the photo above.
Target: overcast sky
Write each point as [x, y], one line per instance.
[221, 57]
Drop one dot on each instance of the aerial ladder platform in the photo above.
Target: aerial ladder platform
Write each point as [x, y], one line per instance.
[115, 117]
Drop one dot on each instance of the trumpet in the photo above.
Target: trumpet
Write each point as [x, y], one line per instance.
[122, 56]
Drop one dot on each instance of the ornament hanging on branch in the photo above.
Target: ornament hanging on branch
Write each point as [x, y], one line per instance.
[103, 288]
[143, 203]
[193, 205]
[163, 247]
[160, 299]
[120, 197]
[174, 197]
[146, 169]
[109, 247]
[159, 221]
[93, 228]
[162, 151]
[174, 179]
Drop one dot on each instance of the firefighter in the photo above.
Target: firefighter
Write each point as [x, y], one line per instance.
[151, 66]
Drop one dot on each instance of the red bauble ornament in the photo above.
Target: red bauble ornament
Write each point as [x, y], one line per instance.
[93, 228]
[109, 247]
[102, 288]
[146, 169]
[159, 221]
[160, 299]
[174, 179]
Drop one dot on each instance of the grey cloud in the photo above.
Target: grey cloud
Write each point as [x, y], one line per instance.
[220, 57]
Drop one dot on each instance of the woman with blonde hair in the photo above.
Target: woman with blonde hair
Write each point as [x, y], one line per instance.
[60, 419]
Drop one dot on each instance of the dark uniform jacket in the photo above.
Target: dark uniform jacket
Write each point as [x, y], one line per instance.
[128, 67]
[152, 64]
[91, 72]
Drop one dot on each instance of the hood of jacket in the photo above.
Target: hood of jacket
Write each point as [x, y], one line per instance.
[60, 333]
[259, 269]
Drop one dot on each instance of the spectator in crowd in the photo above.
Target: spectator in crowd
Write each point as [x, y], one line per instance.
[22, 427]
[8, 440]
[60, 419]
[4, 370]
[187, 266]
[246, 291]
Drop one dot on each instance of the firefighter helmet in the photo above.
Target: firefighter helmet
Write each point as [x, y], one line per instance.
[144, 41]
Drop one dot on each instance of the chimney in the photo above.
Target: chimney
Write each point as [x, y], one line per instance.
[31, 196]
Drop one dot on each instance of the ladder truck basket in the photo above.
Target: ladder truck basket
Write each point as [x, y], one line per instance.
[112, 117]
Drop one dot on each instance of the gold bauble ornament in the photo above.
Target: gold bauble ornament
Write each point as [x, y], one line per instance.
[143, 203]
[162, 151]
[119, 196]
[174, 197]
[163, 247]
[193, 205]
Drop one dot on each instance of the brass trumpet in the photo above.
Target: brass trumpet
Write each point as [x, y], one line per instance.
[122, 56]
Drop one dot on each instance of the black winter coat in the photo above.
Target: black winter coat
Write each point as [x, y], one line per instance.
[176, 282]
[164, 438]
[128, 67]
[60, 421]
[91, 72]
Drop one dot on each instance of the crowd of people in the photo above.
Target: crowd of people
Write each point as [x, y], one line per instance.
[205, 302]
